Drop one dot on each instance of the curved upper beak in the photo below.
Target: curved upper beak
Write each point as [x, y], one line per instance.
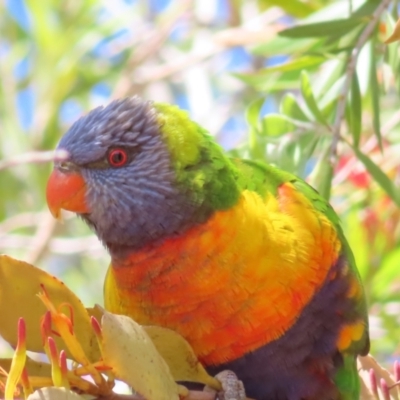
[66, 190]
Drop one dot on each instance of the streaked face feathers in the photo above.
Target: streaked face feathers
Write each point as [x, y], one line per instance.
[149, 172]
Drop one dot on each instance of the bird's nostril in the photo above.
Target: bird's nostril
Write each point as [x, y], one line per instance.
[66, 166]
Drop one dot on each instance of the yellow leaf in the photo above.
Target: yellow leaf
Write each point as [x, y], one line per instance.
[20, 283]
[176, 352]
[395, 36]
[34, 368]
[180, 357]
[128, 349]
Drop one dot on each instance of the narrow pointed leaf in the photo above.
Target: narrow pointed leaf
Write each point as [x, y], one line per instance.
[379, 176]
[325, 179]
[309, 98]
[291, 65]
[387, 277]
[290, 107]
[392, 51]
[253, 113]
[253, 120]
[326, 28]
[395, 36]
[296, 8]
[355, 110]
[323, 174]
[276, 125]
[375, 97]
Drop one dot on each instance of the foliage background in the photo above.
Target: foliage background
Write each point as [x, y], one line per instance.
[263, 95]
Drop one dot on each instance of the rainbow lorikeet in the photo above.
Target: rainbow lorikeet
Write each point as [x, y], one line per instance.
[247, 262]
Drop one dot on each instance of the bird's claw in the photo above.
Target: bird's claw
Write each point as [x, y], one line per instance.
[232, 387]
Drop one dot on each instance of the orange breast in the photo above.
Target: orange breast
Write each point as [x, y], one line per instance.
[234, 283]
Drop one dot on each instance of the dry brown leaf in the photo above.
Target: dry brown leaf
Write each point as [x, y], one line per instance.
[364, 365]
[20, 283]
[128, 349]
[395, 36]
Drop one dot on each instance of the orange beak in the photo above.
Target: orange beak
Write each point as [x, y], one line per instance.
[66, 191]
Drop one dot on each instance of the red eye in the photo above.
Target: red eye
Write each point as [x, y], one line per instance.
[117, 157]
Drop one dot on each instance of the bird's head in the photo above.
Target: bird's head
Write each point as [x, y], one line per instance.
[138, 172]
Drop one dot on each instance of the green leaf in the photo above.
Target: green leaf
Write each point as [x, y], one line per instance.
[355, 110]
[323, 175]
[376, 121]
[290, 107]
[296, 8]
[253, 113]
[332, 93]
[253, 120]
[357, 237]
[327, 76]
[367, 9]
[292, 65]
[388, 275]
[276, 125]
[309, 98]
[379, 176]
[392, 51]
[320, 29]
[293, 154]
[275, 46]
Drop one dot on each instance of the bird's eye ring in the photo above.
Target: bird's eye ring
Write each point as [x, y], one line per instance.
[117, 157]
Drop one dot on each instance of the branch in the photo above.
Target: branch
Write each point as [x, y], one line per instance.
[41, 239]
[35, 157]
[245, 35]
[349, 75]
[150, 47]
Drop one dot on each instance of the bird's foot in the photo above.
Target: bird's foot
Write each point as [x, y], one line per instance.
[232, 387]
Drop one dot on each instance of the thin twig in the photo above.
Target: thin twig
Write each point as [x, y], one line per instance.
[86, 244]
[244, 35]
[35, 157]
[41, 239]
[349, 76]
[149, 47]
